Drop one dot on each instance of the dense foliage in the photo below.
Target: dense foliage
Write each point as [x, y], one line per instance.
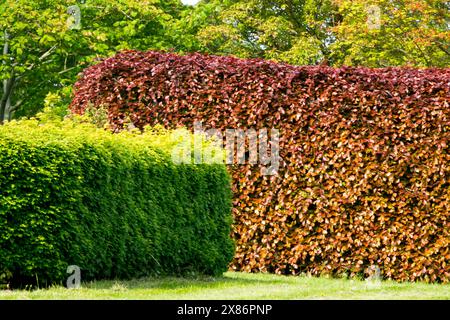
[294, 31]
[114, 205]
[372, 33]
[364, 178]
[44, 45]
[401, 32]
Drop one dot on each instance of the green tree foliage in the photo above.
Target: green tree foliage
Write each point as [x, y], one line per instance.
[301, 32]
[44, 48]
[410, 32]
[294, 31]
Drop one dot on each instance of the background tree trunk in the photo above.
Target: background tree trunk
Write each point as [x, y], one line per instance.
[8, 85]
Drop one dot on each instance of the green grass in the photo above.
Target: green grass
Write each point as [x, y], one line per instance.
[239, 286]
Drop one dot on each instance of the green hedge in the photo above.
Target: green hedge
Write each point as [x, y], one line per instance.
[113, 204]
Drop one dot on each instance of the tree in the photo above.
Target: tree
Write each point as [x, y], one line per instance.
[410, 32]
[293, 31]
[44, 48]
[381, 33]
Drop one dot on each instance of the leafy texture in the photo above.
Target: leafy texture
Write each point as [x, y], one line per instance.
[115, 205]
[409, 32]
[41, 53]
[364, 178]
[294, 31]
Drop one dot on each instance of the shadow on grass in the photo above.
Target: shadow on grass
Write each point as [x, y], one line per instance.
[192, 282]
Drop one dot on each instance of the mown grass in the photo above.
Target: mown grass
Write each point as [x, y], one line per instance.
[239, 286]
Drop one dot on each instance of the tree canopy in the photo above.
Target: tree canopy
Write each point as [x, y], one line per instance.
[45, 44]
[44, 48]
[375, 33]
[414, 33]
[294, 31]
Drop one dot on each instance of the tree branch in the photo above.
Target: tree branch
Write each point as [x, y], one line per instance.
[441, 46]
[43, 56]
[7, 83]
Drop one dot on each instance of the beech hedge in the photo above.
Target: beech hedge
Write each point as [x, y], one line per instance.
[114, 205]
[364, 177]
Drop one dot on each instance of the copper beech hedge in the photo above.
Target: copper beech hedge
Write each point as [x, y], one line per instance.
[365, 173]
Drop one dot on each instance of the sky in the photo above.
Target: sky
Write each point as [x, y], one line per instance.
[190, 2]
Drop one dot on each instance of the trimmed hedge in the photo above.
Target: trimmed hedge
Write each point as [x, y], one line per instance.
[365, 173]
[114, 205]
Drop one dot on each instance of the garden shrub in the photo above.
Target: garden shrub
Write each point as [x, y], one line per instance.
[365, 174]
[117, 206]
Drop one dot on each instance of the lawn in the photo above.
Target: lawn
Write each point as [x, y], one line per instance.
[239, 286]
